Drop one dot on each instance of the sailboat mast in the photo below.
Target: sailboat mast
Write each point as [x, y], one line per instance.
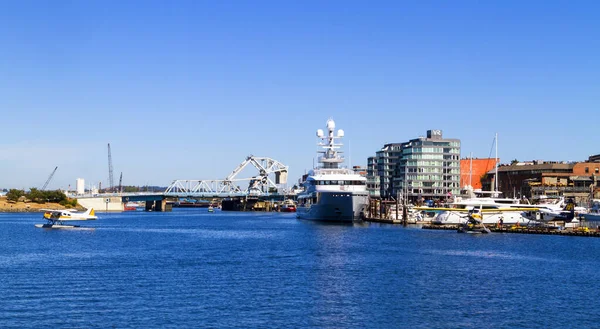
[496, 173]
[471, 170]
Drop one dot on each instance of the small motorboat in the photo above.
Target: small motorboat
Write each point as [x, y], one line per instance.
[288, 206]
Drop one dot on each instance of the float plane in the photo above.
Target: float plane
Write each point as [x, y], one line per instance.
[56, 218]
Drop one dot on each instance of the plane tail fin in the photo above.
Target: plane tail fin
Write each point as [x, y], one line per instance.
[90, 212]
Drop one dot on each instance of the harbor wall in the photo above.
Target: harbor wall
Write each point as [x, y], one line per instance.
[102, 203]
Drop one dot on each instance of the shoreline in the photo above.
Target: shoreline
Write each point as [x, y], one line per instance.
[27, 207]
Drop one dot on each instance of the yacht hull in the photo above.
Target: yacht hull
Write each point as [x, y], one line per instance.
[508, 218]
[335, 207]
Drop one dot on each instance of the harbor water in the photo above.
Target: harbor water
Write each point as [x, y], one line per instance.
[192, 268]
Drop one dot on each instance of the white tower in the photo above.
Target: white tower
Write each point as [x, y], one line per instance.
[80, 184]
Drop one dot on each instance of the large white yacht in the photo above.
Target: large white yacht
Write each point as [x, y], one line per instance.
[332, 193]
[493, 206]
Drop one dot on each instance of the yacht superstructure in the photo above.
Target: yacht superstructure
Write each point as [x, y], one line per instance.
[332, 193]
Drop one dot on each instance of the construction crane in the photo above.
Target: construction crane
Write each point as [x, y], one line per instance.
[120, 183]
[49, 179]
[110, 171]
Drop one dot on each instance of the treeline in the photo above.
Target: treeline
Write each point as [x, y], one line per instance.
[39, 196]
[133, 189]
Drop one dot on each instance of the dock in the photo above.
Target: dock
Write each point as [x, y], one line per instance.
[579, 231]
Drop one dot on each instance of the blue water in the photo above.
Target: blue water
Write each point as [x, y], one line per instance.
[191, 268]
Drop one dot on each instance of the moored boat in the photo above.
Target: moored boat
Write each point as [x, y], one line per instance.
[288, 206]
[332, 193]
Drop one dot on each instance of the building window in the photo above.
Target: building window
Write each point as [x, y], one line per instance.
[596, 170]
[587, 170]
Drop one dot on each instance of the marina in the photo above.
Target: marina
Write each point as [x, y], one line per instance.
[176, 164]
[225, 270]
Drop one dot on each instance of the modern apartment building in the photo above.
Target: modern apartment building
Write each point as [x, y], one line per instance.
[372, 178]
[388, 159]
[425, 167]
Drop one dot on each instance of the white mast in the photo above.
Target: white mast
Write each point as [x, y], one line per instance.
[496, 174]
[471, 170]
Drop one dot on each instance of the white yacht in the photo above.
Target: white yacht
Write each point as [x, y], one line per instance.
[332, 193]
[493, 207]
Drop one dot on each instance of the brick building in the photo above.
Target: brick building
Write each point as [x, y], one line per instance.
[579, 181]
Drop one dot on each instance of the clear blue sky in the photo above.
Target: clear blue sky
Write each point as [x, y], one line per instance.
[186, 90]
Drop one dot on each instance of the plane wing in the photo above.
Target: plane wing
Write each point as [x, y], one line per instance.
[475, 208]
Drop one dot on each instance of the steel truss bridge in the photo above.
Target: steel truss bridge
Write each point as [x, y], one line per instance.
[271, 175]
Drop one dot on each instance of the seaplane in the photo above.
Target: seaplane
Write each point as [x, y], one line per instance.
[56, 218]
[474, 218]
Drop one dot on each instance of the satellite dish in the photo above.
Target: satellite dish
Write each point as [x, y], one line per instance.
[340, 133]
[320, 133]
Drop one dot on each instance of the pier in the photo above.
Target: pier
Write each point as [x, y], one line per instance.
[579, 231]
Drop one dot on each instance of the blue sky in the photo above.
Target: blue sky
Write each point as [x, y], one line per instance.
[186, 90]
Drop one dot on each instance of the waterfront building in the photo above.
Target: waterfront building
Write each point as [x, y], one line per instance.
[422, 168]
[372, 178]
[594, 158]
[539, 179]
[388, 159]
[472, 171]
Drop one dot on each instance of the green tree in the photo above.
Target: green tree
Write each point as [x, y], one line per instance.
[36, 195]
[14, 194]
[514, 162]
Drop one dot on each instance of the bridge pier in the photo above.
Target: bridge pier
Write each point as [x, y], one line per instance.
[158, 205]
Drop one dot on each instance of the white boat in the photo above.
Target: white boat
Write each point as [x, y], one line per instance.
[491, 207]
[332, 193]
[493, 211]
[413, 216]
[593, 215]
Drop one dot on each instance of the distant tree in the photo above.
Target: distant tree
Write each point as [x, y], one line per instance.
[71, 203]
[40, 196]
[514, 162]
[130, 189]
[36, 195]
[14, 194]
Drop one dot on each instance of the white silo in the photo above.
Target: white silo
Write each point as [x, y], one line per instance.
[80, 183]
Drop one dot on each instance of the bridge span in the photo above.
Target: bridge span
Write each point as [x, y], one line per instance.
[268, 182]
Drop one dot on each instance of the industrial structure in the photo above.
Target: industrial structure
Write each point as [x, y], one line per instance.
[110, 171]
[271, 175]
[80, 186]
[49, 179]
